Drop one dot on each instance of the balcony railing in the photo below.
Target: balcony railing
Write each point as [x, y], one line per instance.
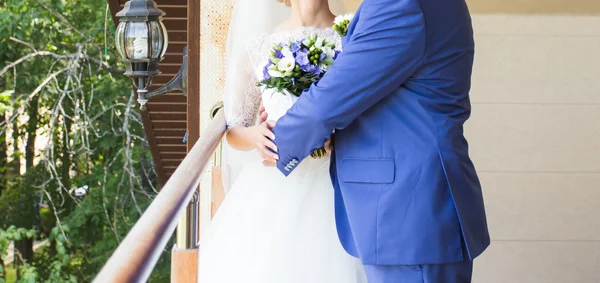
[137, 254]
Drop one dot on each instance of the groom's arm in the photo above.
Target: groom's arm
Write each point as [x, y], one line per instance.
[384, 50]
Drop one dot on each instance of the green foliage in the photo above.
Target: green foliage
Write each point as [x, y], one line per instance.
[11, 275]
[5, 100]
[56, 263]
[18, 201]
[47, 220]
[94, 137]
[61, 258]
[28, 273]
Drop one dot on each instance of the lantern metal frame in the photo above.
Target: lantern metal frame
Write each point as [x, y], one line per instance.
[143, 70]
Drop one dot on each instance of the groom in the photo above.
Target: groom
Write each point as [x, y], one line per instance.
[408, 200]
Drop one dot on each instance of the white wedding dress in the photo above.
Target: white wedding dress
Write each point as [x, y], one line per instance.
[271, 228]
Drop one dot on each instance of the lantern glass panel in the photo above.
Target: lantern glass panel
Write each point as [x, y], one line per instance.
[136, 40]
[166, 36]
[119, 39]
[158, 41]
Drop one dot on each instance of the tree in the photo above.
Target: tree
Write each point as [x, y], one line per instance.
[4, 103]
[62, 85]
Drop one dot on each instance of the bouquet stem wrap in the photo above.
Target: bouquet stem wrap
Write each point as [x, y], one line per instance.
[319, 153]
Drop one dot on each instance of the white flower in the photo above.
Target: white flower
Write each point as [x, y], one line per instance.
[287, 53]
[319, 42]
[330, 53]
[286, 64]
[273, 72]
[341, 24]
[340, 19]
[328, 60]
[325, 65]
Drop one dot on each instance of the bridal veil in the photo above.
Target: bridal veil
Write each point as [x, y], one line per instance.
[250, 18]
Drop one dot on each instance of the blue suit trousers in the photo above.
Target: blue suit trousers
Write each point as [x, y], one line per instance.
[459, 272]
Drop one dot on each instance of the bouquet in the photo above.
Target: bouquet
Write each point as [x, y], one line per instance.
[293, 66]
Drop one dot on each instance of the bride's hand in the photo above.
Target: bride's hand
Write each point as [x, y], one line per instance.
[262, 138]
[262, 113]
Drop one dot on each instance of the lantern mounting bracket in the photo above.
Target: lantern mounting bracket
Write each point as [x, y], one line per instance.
[177, 84]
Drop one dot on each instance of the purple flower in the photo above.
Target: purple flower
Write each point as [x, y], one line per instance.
[266, 75]
[307, 68]
[322, 57]
[302, 58]
[293, 81]
[278, 54]
[337, 52]
[294, 47]
[314, 70]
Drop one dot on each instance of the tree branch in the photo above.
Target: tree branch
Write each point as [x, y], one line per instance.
[61, 17]
[104, 66]
[75, 56]
[24, 43]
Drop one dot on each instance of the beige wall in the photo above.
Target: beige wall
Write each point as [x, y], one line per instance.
[535, 139]
[589, 7]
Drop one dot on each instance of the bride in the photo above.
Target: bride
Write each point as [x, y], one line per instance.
[272, 229]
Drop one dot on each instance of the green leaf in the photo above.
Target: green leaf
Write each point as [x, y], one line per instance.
[61, 249]
[30, 234]
[65, 259]
[7, 94]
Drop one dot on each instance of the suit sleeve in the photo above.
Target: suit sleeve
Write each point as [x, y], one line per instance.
[384, 50]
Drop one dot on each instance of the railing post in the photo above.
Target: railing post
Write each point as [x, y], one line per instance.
[218, 172]
[187, 227]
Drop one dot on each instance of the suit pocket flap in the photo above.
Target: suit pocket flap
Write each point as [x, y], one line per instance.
[367, 170]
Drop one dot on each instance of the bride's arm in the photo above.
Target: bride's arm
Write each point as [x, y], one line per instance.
[242, 99]
[239, 137]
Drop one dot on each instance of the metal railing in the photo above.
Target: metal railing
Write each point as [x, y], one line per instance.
[137, 254]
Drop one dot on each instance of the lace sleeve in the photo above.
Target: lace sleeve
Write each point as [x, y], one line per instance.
[242, 96]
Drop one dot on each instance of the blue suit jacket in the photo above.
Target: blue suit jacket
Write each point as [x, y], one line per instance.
[398, 96]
